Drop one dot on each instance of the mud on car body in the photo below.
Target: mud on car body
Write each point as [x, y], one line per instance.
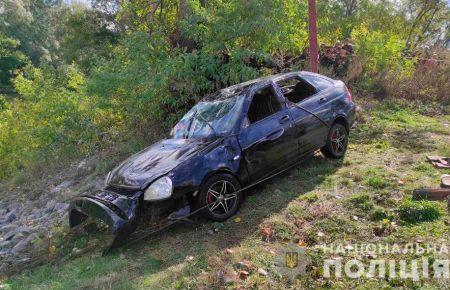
[229, 140]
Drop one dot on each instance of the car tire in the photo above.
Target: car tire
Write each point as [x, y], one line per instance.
[337, 142]
[217, 198]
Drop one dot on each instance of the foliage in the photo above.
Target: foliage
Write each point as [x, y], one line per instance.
[51, 122]
[119, 70]
[265, 26]
[418, 211]
[32, 23]
[379, 51]
[167, 84]
[84, 37]
[11, 59]
[430, 83]
[429, 22]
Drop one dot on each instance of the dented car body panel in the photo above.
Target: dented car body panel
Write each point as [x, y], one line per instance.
[115, 210]
[248, 149]
[222, 154]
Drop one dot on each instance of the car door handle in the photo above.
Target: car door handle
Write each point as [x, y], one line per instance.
[322, 100]
[284, 119]
[275, 135]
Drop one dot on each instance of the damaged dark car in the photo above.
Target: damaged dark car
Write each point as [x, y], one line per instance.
[227, 142]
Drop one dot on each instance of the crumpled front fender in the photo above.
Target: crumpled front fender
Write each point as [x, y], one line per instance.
[117, 211]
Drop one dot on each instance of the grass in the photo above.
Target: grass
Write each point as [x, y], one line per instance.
[418, 211]
[363, 199]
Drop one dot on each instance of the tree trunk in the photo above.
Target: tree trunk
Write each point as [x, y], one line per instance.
[182, 9]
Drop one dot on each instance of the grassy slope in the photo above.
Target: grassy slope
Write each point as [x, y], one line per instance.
[385, 161]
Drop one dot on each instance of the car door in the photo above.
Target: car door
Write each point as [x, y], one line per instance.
[266, 137]
[317, 129]
[320, 105]
[310, 131]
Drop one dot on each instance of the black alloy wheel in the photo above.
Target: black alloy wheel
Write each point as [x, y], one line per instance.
[337, 142]
[220, 196]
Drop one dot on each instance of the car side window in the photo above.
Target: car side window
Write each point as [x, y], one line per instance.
[319, 82]
[264, 103]
[296, 89]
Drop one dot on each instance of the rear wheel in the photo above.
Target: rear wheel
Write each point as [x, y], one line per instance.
[220, 197]
[337, 142]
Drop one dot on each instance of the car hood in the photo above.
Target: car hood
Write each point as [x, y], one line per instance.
[143, 167]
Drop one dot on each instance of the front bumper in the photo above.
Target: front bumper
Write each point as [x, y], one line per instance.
[119, 212]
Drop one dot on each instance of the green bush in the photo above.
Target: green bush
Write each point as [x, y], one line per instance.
[168, 84]
[11, 59]
[380, 50]
[418, 211]
[53, 121]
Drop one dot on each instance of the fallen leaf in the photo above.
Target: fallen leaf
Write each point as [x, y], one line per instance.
[401, 182]
[320, 234]
[237, 219]
[266, 231]
[302, 243]
[52, 249]
[189, 258]
[230, 251]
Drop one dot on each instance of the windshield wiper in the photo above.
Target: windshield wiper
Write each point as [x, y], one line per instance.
[197, 114]
[188, 129]
[208, 123]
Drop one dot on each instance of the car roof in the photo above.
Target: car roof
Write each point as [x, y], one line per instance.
[248, 84]
[244, 87]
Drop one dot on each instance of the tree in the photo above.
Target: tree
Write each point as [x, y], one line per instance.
[430, 20]
[83, 35]
[11, 59]
[32, 23]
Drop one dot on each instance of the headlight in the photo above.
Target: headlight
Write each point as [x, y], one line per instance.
[108, 178]
[159, 189]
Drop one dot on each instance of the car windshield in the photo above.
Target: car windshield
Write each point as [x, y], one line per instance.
[209, 118]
